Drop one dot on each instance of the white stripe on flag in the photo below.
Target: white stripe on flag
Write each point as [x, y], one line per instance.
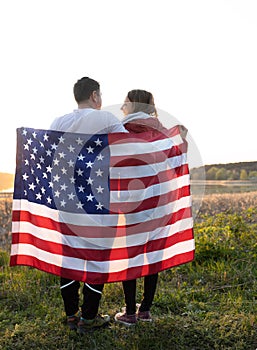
[105, 266]
[102, 220]
[151, 191]
[101, 243]
[141, 147]
[137, 171]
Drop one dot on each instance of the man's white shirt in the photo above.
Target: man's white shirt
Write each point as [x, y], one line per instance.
[88, 121]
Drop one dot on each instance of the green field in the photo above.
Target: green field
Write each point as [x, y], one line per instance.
[207, 304]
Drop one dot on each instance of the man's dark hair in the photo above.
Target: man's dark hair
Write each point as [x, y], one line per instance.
[83, 89]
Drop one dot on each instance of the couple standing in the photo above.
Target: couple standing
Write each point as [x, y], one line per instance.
[140, 116]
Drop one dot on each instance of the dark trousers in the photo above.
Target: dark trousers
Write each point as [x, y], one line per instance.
[129, 288]
[92, 294]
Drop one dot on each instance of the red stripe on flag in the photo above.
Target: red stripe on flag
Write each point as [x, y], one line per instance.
[147, 158]
[96, 278]
[100, 232]
[143, 182]
[106, 254]
[149, 136]
[152, 202]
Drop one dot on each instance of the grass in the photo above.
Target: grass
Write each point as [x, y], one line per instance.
[207, 304]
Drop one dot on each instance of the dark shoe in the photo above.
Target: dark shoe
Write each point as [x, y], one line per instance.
[99, 321]
[127, 320]
[72, 321]
[144, 316]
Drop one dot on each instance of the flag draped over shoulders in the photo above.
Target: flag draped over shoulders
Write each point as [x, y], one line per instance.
[101, 208]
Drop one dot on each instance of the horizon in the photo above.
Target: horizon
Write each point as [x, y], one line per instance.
[196, 191]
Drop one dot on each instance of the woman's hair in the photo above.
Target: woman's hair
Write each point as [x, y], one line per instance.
[143, 101]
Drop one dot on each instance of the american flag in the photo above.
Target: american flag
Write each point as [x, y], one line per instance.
[101, 208]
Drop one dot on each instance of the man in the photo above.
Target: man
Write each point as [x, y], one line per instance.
[86, 119]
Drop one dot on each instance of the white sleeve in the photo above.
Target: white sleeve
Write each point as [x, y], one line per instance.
[54, 125]
[113, 123]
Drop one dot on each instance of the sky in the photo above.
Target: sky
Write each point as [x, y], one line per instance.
[197, 57]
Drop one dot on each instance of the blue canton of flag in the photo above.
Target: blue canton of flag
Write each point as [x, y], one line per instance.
[64, 171]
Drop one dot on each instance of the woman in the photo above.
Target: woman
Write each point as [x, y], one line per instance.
[140, 116]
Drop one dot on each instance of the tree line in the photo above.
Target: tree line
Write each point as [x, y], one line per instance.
[231, 171]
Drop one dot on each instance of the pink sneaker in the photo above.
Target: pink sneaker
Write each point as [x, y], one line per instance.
[127, 320]
[144, 316]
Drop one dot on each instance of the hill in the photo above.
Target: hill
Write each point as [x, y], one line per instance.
[6, 181]
[248, 166]
[228, 171]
